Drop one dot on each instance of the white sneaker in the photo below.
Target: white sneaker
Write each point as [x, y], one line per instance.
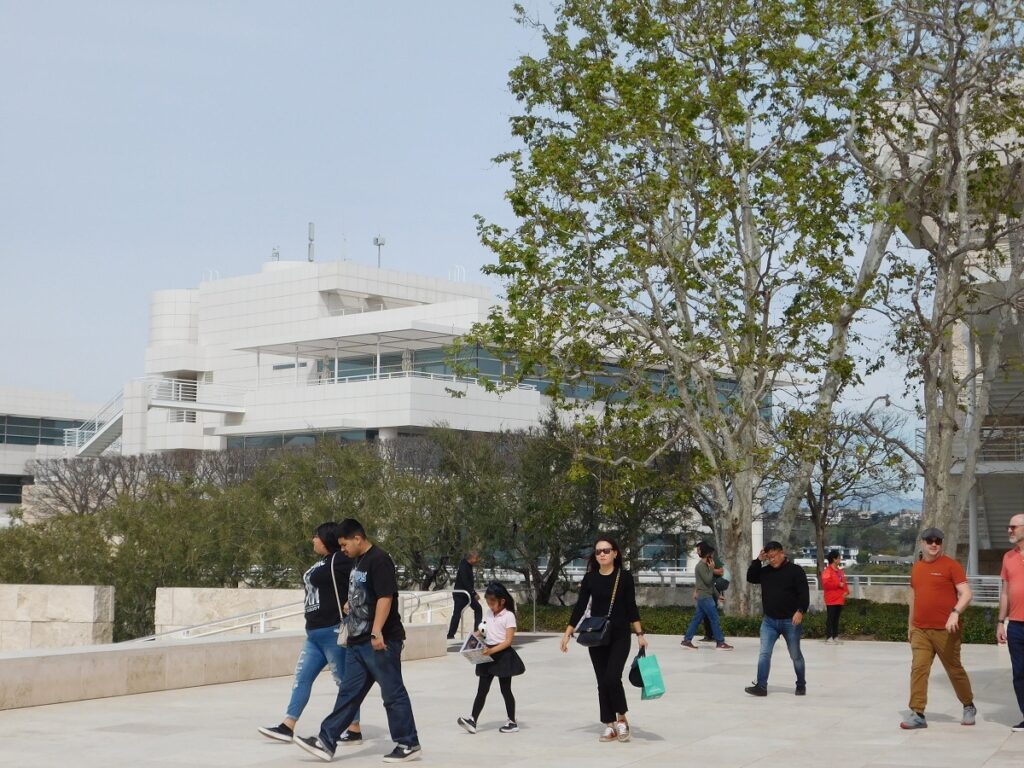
[622, 731]
[608, 735]
[510, 727]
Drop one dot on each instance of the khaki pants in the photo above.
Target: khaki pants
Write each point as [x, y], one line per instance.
[925, 645]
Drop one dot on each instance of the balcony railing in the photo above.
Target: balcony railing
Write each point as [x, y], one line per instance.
[327, 378]
[997, 443]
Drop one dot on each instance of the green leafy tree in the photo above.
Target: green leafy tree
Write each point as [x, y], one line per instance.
[685, 223]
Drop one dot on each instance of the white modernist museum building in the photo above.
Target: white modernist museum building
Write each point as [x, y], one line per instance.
[300, 351]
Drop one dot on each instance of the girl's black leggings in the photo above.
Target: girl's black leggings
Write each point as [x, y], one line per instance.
[484, 685]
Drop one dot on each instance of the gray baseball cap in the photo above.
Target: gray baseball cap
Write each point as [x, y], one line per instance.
[932, 533]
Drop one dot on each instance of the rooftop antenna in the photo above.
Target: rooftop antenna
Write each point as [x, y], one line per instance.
[309, 256]
[275, 254]
[379, 242]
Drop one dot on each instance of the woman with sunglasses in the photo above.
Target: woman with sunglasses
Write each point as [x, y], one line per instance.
[605, 576]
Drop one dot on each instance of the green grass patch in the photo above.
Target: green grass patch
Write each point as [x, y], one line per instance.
[860, 620]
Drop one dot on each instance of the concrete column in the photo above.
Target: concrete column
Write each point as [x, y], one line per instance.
[387, 433]
[136, 416]
[756, 535]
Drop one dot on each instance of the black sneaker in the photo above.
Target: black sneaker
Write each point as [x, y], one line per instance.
[801, 690]
[313, 746]
[1018, 727]
[348, 738]
[468, 723]
[277, 732]
[510, 727]
[756, 690]
[401, 753]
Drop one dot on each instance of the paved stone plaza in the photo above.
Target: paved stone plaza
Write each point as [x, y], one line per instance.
[856, 696]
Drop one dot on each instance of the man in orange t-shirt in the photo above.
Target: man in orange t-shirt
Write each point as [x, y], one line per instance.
[1010, 629]
[939, 594]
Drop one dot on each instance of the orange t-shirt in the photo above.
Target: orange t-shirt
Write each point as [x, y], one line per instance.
[1013, 574]
[934, 586]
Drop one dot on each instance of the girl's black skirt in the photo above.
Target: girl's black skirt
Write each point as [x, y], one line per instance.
[506, 664]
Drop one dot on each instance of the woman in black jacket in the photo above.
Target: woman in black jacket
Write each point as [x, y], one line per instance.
[604, 570]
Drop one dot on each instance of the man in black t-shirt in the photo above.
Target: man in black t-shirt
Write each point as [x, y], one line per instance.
[375, 641]
[464, 583]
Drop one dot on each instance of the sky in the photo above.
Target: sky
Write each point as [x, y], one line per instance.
[147, 145]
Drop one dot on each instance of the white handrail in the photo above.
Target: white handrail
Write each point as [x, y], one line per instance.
[76, 437]
[326, 378]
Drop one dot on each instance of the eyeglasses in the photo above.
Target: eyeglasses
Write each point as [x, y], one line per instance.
[932, 540]
[603, 551]
[1013, 527]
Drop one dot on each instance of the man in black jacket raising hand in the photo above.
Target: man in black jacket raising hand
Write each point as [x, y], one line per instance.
[785, 597]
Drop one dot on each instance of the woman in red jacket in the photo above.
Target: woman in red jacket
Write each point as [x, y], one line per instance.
[833, 581]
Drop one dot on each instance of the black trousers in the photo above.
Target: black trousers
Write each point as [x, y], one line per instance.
[461, 601]
[832, 620]
[484, 685]
[609, 662]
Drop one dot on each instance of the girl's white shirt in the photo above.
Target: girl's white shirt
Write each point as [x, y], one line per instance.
[494, 628]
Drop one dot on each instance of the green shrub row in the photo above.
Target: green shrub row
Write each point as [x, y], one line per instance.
[860, 620]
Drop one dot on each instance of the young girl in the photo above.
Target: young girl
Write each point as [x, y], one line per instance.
[497, 630]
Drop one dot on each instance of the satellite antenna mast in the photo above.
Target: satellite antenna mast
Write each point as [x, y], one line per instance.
[309, 256]
[379, 242]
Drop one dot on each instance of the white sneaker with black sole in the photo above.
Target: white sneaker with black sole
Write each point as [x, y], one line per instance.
[402, 753]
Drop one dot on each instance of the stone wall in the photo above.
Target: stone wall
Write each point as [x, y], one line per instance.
[179, 607]
[54, 616]
[32, 678]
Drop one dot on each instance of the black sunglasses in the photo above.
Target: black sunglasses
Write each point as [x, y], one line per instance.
[932, 540]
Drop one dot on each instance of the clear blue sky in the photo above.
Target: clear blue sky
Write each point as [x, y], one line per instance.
[144, 143]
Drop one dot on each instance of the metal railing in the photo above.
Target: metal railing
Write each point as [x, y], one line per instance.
[1002, 444]
[326, 378]
[187, 391]
[76, 437]
[262, 621]
[985, 589]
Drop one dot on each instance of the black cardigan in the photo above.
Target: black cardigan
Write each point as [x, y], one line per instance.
[599, 588]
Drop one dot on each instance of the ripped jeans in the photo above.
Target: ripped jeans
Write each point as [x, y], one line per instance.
[321, 649]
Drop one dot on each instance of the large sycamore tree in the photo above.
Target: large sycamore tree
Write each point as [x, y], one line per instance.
[686, 225]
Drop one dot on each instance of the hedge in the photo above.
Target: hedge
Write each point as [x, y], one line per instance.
[860, 620]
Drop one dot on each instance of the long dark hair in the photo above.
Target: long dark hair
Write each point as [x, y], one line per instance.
[592, 561]
[499, 591]
[328, 534]
[832, 556]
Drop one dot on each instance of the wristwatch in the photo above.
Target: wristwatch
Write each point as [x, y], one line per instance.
[954, 610]
[373, 636]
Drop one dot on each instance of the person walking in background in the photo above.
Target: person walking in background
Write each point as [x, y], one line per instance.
[785, 598]
[1010, 629]
[939, 593]
[707, 599]
[719, 572]
[609, 590]
[323, 619]
[375, 640]
[497, 631]
[833, 581]
[464, 583]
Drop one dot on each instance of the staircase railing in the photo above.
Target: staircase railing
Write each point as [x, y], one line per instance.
[76, 437]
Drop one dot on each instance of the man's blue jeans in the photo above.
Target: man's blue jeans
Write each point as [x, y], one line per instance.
[771, 629]
[1015, 644]
[706, 606]
[364, 668]
[320, 650]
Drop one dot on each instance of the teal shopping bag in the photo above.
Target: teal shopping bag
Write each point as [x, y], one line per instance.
[654, 683]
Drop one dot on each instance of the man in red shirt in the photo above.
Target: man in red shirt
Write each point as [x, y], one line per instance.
[939, 593]
[1010, 629]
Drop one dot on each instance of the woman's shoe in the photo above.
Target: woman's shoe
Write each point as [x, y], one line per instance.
[608, 735]
[622, 731]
